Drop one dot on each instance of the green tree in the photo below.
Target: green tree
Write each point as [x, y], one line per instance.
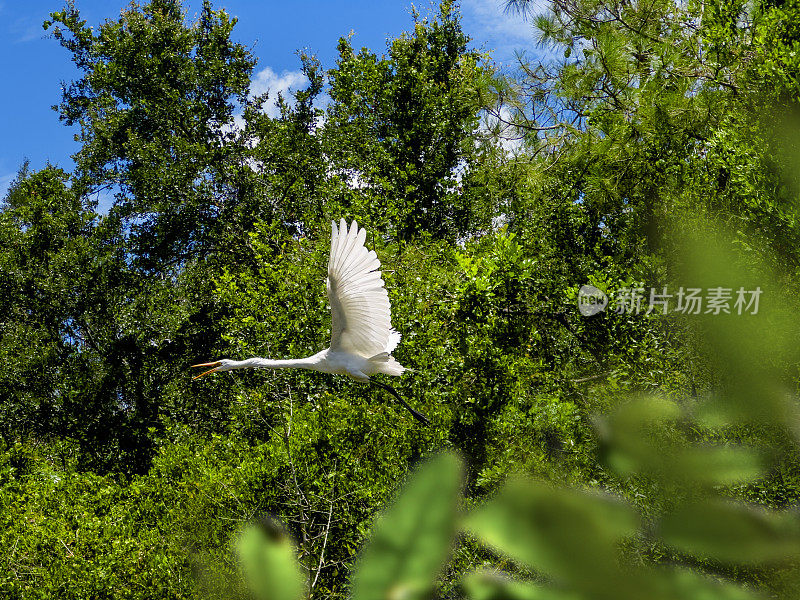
[154, 103]
[401, 127]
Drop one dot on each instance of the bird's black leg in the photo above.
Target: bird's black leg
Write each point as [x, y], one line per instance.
[422, 418]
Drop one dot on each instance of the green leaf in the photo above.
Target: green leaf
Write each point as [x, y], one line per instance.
[733, 533]
[686, 584]
[269, 563]
[412, 539]
[566, 533]
[630, 435]
[486, 585]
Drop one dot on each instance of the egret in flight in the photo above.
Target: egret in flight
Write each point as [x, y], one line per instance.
[362, 337]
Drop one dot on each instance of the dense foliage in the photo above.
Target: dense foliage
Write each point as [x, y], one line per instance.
[490, 198]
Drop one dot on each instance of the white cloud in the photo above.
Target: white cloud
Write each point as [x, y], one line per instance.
[268, 80]
[25, 29]
[504, 32]
[509, 138]
[5, 180]
[105, 200]
[492, 17]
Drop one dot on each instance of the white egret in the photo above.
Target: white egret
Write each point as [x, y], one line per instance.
[362, 337]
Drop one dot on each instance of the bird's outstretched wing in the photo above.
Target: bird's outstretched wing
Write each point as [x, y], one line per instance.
[360, 319]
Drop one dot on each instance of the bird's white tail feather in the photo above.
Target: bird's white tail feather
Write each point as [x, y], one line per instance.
[385, 363]
[394, 339]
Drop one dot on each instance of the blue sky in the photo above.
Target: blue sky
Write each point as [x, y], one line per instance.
[34, 65]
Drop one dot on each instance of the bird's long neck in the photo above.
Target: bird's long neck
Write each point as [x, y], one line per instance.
[268, 363]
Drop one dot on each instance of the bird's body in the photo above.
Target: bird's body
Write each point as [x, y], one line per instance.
[327, 361]
[362, 338]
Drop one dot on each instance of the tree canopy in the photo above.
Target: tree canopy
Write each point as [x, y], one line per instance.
[654, 149]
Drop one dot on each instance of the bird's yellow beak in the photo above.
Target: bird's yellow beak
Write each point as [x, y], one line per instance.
[211, 364]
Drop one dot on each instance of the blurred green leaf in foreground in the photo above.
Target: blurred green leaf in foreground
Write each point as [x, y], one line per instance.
[269, 562]
[407, 550]
[413, 538]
